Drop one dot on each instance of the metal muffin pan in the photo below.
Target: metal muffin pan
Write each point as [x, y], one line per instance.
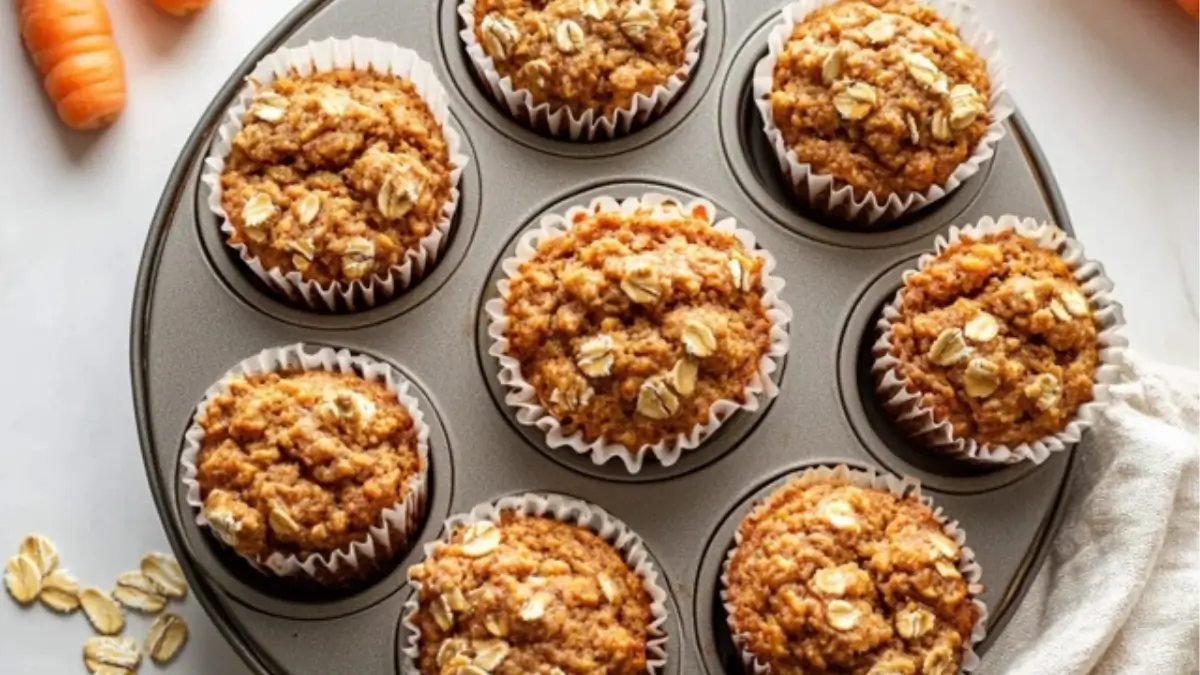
[196, 313]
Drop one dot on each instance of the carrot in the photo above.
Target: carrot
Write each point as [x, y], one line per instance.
[72, 45]
[1191, 7]
[181, 7]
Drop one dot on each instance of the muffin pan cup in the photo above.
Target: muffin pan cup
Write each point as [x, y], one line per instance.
[356, 53]
[383, 540]
[562, 122]
[834, 197]
[521, 395]
[198, 312]
[573, 512]
[902, 488]
[919, 420]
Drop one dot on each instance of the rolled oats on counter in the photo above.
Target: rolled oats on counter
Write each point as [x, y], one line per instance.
[308, 464]
[879, 101]
[837, 572]
[604, 64]
[1000, 339]
[528, 588]
[337, 183]
[635, 326]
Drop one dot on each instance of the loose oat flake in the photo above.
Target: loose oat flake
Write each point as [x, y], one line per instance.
[831, 67]
[982, 378]
[60, 592]
[914, 623]
[105, 615]
[39, 549]
[831, 581]
[137, 592]
[880, 30]
[118, 652]
[594, 9]
[166, 575]
[982, 328]
[22, 579]
[167, 635]
[535, 608]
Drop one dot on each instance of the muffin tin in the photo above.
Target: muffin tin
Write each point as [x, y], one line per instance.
[197, 312]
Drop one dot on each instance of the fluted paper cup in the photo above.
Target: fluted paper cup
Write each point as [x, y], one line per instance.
[522, 396]
[591, 125]
[828, 194]
[572, 512]
[396, 524]
[920, 422]
[904, 488]
[363, 54]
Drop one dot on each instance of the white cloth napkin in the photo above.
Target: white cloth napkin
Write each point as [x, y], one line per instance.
[1118, 591]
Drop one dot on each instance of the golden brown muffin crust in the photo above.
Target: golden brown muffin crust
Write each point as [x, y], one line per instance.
[336, 175]
[999, 339]
[629, 327]
[530, 596]
[585, 54]
[303, 462]
[833, 578]
[881, 94]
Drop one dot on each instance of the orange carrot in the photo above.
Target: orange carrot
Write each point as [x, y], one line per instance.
[181, 7]
[1191, 7]
[72, 45]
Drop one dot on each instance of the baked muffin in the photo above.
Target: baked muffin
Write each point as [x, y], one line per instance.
[830, 577]
[882, 95]
[997, 338]
[339, 176]
[529, 594]
[585, 55]
[630, 325]
[299, 463]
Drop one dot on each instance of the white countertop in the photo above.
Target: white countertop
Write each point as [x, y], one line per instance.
[1109, 87]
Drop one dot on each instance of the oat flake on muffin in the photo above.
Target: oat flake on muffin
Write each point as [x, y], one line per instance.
[998, 338]
[303, 462]
[883, 95]
[831, 577]
[529, 594]
[336, 175]
[629, 326]
[585, 54]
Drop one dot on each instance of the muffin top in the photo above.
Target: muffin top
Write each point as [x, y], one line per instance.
[303, 462]
[585, 54]
[833, 578]
[530, 595]
[630, 326]
[336, 175]
[998, 338]
[881, 94]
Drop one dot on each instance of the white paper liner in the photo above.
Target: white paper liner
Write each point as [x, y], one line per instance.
[562, 121]
[901, 487]
[522, 396]
[358, 53]
[395, 524]
[828, 194]
[919, 421]
[573, 512]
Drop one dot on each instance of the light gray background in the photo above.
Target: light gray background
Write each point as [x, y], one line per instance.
[1108, 86]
